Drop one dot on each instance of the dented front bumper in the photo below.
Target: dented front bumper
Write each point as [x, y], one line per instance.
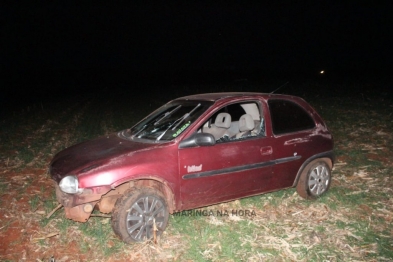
[78, 207]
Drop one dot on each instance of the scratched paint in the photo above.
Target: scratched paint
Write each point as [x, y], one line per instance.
[296, 141]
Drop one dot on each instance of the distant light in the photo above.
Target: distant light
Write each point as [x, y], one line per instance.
[322, 72]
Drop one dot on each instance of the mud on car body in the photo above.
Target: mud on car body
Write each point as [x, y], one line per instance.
[192, 152]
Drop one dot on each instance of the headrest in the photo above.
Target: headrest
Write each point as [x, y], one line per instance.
[223, 120]
[246, 123]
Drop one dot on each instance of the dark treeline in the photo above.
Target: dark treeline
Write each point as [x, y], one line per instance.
[38, 88]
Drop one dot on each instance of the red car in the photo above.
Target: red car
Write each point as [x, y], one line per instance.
[195, 151]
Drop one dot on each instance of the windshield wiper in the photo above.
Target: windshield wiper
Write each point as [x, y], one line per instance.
[185, 116]
[143, 128]
[177, 122]
[166, 115]
[158, 121]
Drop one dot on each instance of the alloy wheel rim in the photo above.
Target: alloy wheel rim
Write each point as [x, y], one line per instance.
[318, 180]
[142, 215]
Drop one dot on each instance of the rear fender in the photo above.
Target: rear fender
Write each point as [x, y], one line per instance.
[327, 156]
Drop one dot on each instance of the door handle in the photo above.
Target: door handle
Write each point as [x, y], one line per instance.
[267, 150]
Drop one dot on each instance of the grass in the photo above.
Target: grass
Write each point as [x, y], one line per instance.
[212, 237]
[99, 231]
[34, 201]
[353, 221]
[3, 185]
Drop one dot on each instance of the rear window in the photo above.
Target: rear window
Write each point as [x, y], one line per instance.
[288, 117]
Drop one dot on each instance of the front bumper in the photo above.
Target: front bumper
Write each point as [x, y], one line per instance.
[78, 207]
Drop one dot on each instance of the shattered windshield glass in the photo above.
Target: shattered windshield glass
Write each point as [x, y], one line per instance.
[169, 121]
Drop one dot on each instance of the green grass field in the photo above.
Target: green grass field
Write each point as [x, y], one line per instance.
[352, 222]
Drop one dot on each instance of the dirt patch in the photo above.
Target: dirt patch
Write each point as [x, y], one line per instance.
[384, 158]
[22, 207]
[10, 237]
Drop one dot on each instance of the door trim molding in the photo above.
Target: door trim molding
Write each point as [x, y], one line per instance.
[230, 170]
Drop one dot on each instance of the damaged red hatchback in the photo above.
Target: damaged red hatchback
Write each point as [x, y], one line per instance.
[195, 151]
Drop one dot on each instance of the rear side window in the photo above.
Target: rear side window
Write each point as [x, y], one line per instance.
[288, 117]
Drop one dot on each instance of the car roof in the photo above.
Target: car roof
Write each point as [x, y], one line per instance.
[219, 96]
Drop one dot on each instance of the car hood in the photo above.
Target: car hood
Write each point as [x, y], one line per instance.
[90, 154]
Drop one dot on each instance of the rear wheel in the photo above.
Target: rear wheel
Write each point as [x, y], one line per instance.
[138, 213]
[315, 180]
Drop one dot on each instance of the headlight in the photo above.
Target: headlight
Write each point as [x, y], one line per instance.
[69, 184]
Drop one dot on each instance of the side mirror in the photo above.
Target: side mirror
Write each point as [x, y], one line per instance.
[198, 139]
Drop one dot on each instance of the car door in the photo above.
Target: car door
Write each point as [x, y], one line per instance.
[224, 171]
[293, 131]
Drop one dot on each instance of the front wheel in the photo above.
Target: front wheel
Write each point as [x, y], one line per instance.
[315, 180]
[138, 213]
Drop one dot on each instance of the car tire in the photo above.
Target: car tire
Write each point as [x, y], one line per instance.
[315, 180]
[137, 211]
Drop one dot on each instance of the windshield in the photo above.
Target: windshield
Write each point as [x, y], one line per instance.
[168, 122]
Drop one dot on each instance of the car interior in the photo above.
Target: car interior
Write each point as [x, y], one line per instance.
[235, 121]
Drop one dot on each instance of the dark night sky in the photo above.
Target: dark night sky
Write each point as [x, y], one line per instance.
[194, 36]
